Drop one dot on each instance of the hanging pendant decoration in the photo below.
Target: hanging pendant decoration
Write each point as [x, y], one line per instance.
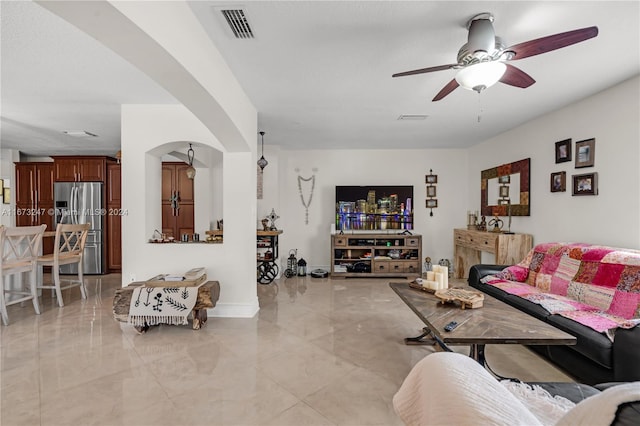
[306, 203]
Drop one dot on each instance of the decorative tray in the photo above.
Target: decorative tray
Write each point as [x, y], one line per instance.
[467, 298]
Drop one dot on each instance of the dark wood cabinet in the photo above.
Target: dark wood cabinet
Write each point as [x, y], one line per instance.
[114, 217]
[177, 200]
[79, 169]
[34, 197]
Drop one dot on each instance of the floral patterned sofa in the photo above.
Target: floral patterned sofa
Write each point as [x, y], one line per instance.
[589, 291]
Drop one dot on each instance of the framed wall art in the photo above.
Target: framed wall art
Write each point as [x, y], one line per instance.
[432, 203]
[585, 153]
[559, 182]
[431, 178]
[585, 184]
[563, 151]
[431, 191]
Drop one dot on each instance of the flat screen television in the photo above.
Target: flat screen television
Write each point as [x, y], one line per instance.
[373, 207]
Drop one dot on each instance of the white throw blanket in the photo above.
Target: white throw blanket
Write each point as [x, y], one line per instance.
[162, 305]
[448, 388]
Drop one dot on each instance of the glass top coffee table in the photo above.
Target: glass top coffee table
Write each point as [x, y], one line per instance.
[494, 323]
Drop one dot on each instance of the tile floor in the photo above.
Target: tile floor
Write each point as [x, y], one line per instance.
[319, 352]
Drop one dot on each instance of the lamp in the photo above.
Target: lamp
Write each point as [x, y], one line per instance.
[480, 76]
[262, 163]
[191, 171]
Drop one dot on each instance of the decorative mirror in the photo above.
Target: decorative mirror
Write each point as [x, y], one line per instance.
[496, 198]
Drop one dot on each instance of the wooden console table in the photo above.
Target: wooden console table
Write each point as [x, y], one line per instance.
[468, 245]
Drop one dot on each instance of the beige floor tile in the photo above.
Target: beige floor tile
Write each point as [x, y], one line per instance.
[299, 415]
[319, 352]
[360, 398]
[305, 370]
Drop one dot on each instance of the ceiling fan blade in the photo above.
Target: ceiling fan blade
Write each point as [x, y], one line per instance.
[552, 42]
[516, 77]
[425, 70]
[450, 87]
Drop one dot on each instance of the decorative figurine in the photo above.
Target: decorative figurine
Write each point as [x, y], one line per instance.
[273, 217]
[265, 224]
[497, 223]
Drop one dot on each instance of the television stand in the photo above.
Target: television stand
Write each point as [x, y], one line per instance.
[376, 255]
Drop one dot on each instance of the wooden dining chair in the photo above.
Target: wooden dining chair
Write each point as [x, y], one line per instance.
[68, 248]
[19, 250]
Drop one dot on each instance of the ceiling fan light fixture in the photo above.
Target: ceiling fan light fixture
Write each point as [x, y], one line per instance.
[478, 77]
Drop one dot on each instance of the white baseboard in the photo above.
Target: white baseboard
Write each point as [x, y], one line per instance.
[234, 310]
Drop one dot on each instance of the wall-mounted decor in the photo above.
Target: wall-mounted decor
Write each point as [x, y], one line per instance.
[586, 184]
[563, 151]
[504, 191]
[306, 202]
[506, 179]
[431, 202]
[559, 182]
[518, 173]
[5, 184]
[585, 153]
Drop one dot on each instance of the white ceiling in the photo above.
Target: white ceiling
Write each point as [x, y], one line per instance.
[319, 73]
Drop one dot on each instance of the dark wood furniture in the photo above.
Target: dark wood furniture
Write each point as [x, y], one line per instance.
[376, 255]
[35, 204]
[114, 217]
[208, 295]
[177, 200]
[34, 197]
[80, 168]
[494, 323]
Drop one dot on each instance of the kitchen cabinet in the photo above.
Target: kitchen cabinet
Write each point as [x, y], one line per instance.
[114, 217]
[177, 200]
[34, 197]
[79, 168]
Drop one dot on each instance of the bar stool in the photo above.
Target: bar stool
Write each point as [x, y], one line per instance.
[68, 248]
[19, 249]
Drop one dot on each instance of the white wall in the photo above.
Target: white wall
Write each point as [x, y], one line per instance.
[144, 129]
[7, 171]
[610, 218]
[358, 167]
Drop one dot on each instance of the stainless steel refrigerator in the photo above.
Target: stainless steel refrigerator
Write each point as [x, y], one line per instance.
[79, 203]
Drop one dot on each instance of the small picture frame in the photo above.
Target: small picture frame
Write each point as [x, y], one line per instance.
[563, 151]
[6, 195]
[585, 184]
[431, 191]
[585, 153]
[503, 202]
[432, 203]
[504, 179]
[431, 179]
[559, 182]
[504, 191]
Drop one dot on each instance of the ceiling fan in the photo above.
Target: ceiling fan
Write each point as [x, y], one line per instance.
[482, 61]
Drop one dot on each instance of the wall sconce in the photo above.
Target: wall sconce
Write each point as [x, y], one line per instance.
[262, 163]
[191, 171]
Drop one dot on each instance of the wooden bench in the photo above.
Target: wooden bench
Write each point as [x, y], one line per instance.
[208, 294]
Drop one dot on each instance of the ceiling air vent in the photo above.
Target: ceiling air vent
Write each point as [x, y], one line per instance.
[237, 20]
